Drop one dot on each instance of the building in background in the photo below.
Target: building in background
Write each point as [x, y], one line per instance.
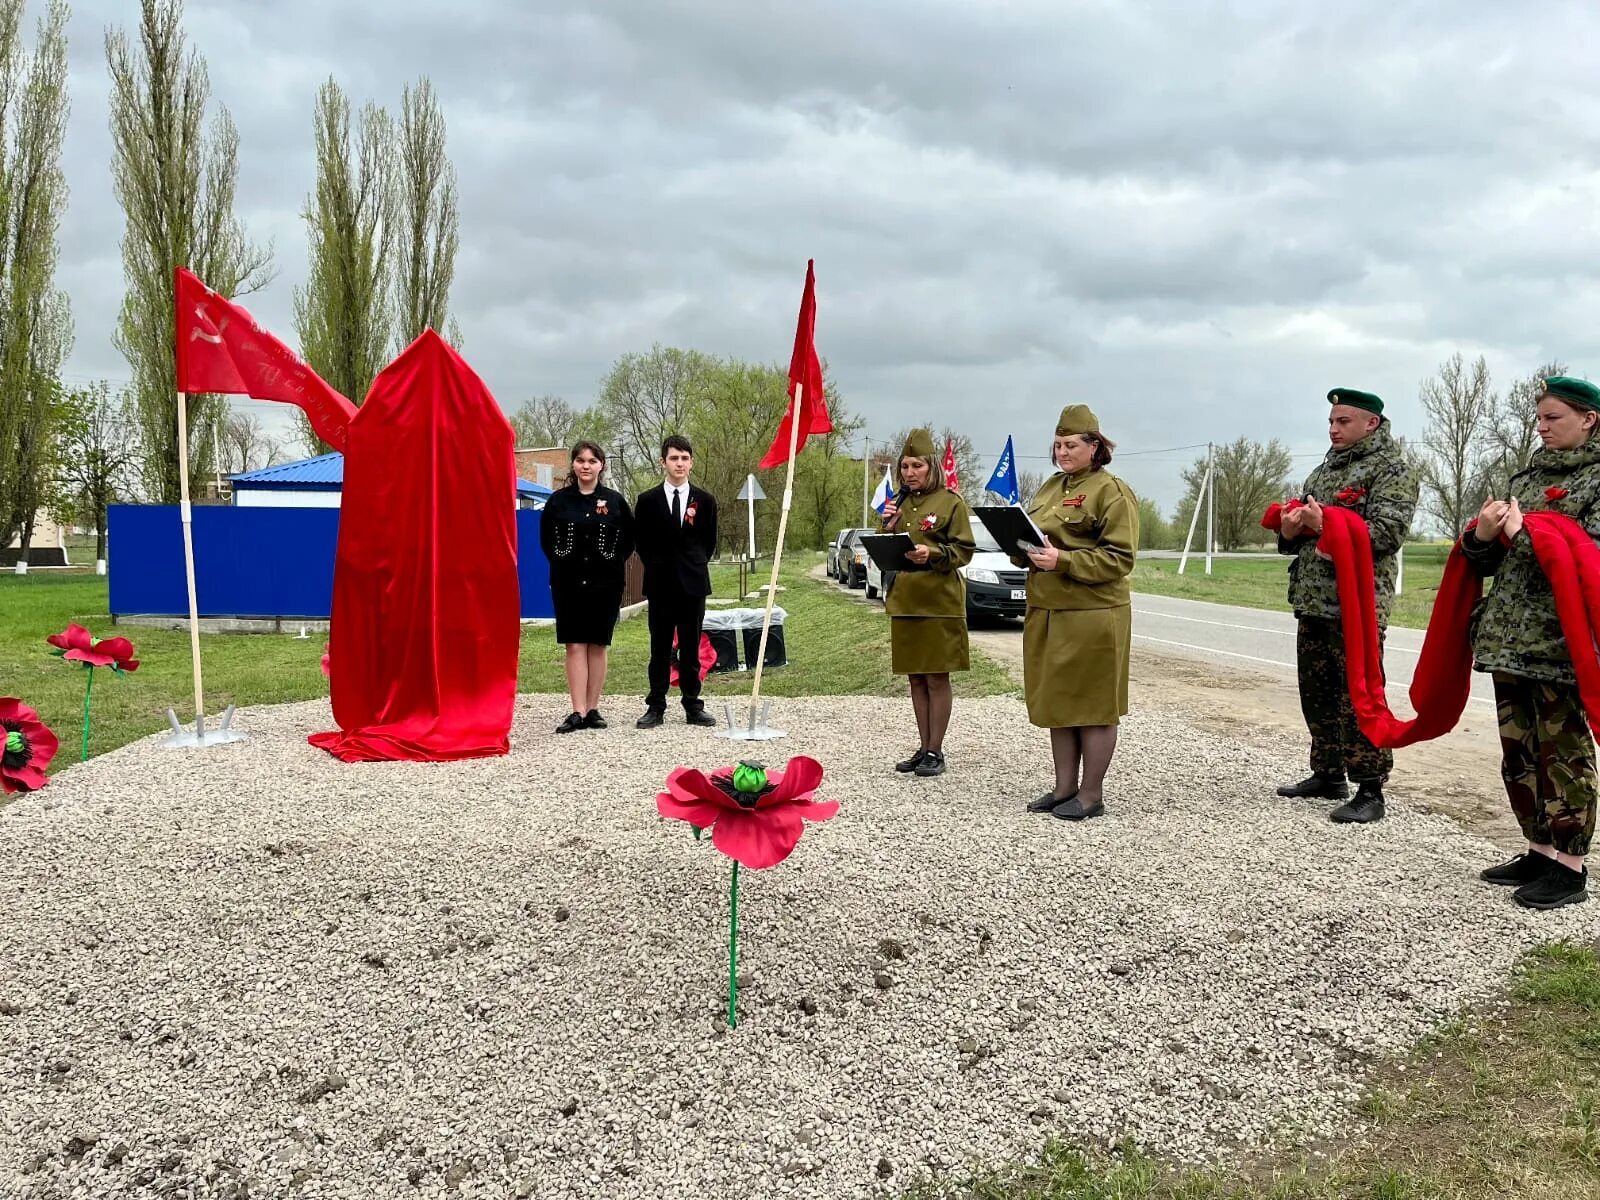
[319, 483]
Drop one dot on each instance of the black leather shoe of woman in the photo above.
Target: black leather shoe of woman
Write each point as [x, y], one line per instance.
[1076, 810]
[593, 720]
[908, 765]
[573, 721]
[1048, 802]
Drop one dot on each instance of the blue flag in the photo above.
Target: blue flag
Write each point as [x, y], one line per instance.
[1003, 482]
[880, 498]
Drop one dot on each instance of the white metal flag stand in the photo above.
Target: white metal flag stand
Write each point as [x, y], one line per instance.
[182, 738]
[756, 728]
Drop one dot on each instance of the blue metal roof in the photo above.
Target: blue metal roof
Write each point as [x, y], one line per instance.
[325, 473]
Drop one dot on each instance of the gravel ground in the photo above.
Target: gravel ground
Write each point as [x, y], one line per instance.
[255, 969]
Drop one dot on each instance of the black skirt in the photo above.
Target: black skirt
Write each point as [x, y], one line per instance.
[586, 613]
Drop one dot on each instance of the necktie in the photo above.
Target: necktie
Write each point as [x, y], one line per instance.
[677, 511]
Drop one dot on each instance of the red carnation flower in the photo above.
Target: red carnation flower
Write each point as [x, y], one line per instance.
[758, 829]
[26, 747]
[928, 522]
[77, 644]
[1350, 495]
[688, 513]
[1554, 493]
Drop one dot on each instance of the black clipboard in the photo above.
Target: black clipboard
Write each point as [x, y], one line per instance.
[1011, 525]
[889, 551]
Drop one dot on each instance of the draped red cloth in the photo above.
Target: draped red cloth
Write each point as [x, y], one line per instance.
[708, 659]
[1442, 681]
[425, 599]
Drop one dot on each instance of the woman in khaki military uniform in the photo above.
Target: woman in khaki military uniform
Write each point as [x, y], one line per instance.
[1078, 631]
[927, 606]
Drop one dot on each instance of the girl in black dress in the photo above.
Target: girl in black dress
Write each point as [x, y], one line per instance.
[586, 531]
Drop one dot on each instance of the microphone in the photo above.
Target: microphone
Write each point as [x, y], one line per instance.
[897, 500]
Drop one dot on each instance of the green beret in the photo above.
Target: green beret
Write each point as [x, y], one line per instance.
[919, 444]
[1075, 419]
[1355, 399]
[1574, 391]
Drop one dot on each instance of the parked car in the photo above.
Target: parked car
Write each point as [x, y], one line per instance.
[853, 559]
[834, 556]
[995, 587]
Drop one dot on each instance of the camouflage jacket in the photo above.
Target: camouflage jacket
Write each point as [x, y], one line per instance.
[1514, 627]
[1372, 480]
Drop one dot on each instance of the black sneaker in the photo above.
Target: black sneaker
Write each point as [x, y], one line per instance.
[932, 764]
[1317, 787]
[573, 721]
[908, 765]
[1557, 886]
[1364, 809]
[1524, 868]
[652, 717]
[1047, 802]
[593, 720]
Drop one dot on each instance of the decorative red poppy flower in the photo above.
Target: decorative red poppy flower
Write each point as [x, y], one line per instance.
[77, 644]
[26, 747]
[1350, 495]
[757, 827]
[1554, 493]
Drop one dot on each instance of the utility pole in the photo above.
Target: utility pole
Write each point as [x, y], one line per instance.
[866, 479]
[1211, 504]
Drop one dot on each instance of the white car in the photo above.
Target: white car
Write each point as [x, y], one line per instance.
[995, 586]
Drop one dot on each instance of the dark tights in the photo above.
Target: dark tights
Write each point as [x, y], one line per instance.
[931, 699]
[1085, 747]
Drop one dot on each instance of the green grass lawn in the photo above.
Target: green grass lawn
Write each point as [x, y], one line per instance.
[835, 645]
[1504, 1104]
[1264, 582]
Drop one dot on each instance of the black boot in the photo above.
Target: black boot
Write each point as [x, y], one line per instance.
[1318, 787]
[907, 765]
[1524, 868]
[1557, 886]
[1364, 809]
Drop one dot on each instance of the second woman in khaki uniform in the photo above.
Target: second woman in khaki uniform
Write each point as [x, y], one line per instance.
[928, 607]
[1078, 631]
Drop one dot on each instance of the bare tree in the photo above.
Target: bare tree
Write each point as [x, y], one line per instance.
[35, 320]
[428, 231]
[99, 454]
[176, 185]
[1248, 476]
[246, 444]
[645, 397]
[1029, 483]
[1512, 435]
[1461, 410]
[544, 421]
[344, 315]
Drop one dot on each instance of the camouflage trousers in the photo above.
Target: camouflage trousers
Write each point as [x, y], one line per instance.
[1337, 744]
[1547, 761]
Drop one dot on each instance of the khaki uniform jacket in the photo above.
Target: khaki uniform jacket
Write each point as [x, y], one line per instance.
[941, 521]
[1093, 519]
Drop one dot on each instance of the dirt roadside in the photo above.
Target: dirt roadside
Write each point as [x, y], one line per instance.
[1458, 775]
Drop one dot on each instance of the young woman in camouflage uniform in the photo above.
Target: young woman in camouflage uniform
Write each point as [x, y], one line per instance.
[1547, 755]
[1365, 472]
[928, 607]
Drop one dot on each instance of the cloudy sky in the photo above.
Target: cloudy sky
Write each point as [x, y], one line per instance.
[1196, 217]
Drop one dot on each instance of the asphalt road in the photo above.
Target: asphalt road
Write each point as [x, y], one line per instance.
[1225, 634]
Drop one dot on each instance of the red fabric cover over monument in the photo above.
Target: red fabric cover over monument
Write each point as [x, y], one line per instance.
[425, 600]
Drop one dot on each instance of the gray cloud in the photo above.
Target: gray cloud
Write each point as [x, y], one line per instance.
[1197, 220]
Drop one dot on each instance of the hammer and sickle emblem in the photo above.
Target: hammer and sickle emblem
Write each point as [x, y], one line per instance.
[203, 318]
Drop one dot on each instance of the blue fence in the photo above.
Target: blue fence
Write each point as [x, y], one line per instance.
[257, 562]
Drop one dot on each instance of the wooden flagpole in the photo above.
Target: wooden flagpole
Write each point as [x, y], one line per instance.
[185, 510]
[777, 550]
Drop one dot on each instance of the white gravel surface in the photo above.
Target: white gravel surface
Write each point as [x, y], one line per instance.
[257, 971]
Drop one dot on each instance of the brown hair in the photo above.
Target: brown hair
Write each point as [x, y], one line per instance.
[1103, 448]
[592, 448]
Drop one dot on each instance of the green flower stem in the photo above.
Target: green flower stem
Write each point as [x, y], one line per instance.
[87, 692]
[733, 952]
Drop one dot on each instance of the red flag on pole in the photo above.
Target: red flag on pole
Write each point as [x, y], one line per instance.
[222, 349]
[804, 369]
[950, 480]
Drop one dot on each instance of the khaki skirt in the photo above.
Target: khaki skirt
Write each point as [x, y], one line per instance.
[1075, 665]
[927, 645]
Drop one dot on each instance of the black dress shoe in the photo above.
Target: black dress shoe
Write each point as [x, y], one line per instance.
[700, 717]
[1524, 868]
[593, 720]
[1364, 809]
[1318, 787]
[932, 764]
[1076, 810]
[1557, 886]
[573, 721]
[652, 717]
[1047, 802]
[907, 765]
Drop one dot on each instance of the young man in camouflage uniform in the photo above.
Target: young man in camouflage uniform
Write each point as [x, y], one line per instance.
[1365, 472]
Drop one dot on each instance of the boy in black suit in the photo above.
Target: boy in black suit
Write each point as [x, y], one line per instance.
[675, 530]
